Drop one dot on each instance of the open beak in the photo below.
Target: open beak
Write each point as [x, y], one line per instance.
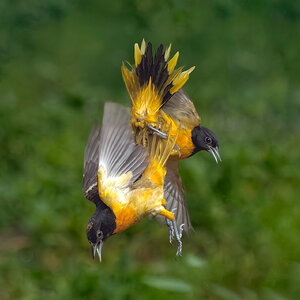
[215, 153]
[97, 248]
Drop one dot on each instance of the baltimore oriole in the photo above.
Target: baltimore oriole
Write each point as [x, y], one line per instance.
[124, 180]
[157, 98]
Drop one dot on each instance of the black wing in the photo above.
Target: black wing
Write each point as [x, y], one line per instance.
[91, 161]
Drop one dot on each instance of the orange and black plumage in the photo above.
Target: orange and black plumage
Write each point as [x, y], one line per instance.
[157, 98]
[131, 164]
[123, 179]
[154, 85]
[150, 84]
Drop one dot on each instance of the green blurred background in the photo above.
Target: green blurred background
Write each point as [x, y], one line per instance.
[60, 61]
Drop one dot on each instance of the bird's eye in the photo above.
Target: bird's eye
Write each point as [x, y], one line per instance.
[208, 140]
[99, 234]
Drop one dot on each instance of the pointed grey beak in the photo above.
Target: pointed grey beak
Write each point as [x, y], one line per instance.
[94, 248]
[97, 248]
[215, 153]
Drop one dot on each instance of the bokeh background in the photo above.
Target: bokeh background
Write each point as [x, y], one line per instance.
[60, 61]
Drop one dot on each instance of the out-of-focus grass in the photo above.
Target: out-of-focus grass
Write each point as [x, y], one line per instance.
[60, 61]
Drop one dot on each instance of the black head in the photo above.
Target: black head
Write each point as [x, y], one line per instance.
[205, 139]
[100, 227]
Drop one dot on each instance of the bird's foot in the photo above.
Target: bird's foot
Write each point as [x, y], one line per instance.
[174, 232]
[171, 230]
[178, 237]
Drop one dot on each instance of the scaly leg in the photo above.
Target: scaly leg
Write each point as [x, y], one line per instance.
[178, 237]
[165, 136]
[173, 231]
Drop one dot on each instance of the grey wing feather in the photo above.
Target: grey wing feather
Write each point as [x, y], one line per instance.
[182, 110]
[174, 195]
[117, 149]
[91, 158]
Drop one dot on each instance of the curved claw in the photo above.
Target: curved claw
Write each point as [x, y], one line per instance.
[175, 232]
[181, 229]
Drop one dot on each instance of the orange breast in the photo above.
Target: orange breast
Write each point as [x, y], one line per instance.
[125, 218]
[185, 143]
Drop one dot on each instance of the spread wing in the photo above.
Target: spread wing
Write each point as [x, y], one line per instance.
[91, 159]
[113, 146]
[174, 195]
[182, 110]
[117, 149]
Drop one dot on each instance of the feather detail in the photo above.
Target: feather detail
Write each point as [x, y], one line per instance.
[91, 158]
[155, 70]
[118, 154]
[160, 150]
[172, 63]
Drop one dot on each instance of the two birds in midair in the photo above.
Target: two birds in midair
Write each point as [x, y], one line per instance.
[131, 162]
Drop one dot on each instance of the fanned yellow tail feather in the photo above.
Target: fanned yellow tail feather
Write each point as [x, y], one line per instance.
[151, 82]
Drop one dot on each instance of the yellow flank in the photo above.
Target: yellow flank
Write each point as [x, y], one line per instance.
[140, 203]
[166, 119]
[132, 205]
[155, 172]
[160, 150]
[168, 123]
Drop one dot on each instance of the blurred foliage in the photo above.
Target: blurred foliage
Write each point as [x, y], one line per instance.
[60, 61]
